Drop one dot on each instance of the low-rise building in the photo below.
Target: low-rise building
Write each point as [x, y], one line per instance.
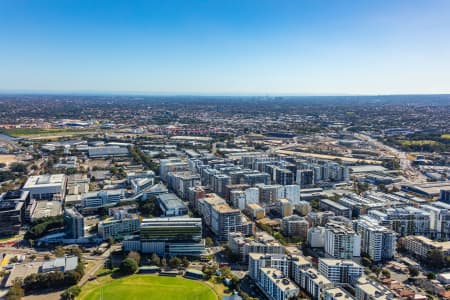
[171, 205]
[420, 245]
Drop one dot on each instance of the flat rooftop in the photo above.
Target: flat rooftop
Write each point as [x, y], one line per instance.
[171, 201]
[45, 181]
[46, 209]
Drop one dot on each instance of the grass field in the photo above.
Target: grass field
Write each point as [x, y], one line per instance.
[446, 136]
[22, 132]
[149, 287]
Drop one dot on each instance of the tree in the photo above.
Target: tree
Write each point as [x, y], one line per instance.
[386, 273]
[71, 293]
[128, 266]
[376, 270]
[226, 272]
[13, 260]
[16, 292]
[59, 251]
[209, 270]
[435, 257]
[71, 277]
[111, 241]
[185, 262]
[431, 276]
[135, 256]
[174, 262]
[413, 271]
[155, 259]
[209, 242]
[366, 261]
[164, 262]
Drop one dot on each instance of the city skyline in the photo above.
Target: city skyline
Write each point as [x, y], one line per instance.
[225, 48]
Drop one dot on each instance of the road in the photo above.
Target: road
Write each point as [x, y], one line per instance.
[99, 262]
[405, 164]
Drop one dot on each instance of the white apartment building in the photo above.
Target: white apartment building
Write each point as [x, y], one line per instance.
[314, 283]
[340, 271]
[276, 285]
[377, 241]
[341, 241]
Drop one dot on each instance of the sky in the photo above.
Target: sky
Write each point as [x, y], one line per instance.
[227, 47]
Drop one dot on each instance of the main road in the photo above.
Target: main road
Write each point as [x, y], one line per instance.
[405, 164]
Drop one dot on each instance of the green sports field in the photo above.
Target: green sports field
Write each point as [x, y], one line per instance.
[150, 287]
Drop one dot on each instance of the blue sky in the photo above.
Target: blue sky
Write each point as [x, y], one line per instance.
[226, 47]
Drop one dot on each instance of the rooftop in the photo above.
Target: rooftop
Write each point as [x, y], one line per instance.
[44, 180]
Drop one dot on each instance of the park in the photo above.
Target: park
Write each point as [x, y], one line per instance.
[149, 287]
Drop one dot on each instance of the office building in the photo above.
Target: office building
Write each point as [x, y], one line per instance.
[177, 236]
[140, 175]
[102, 198]
[340, 271]
[73, 224]
[171, 205]
[46, 187]
[119, 226]
[12, 211]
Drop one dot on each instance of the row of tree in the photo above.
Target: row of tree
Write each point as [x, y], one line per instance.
[42, 226]
[131, 263]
